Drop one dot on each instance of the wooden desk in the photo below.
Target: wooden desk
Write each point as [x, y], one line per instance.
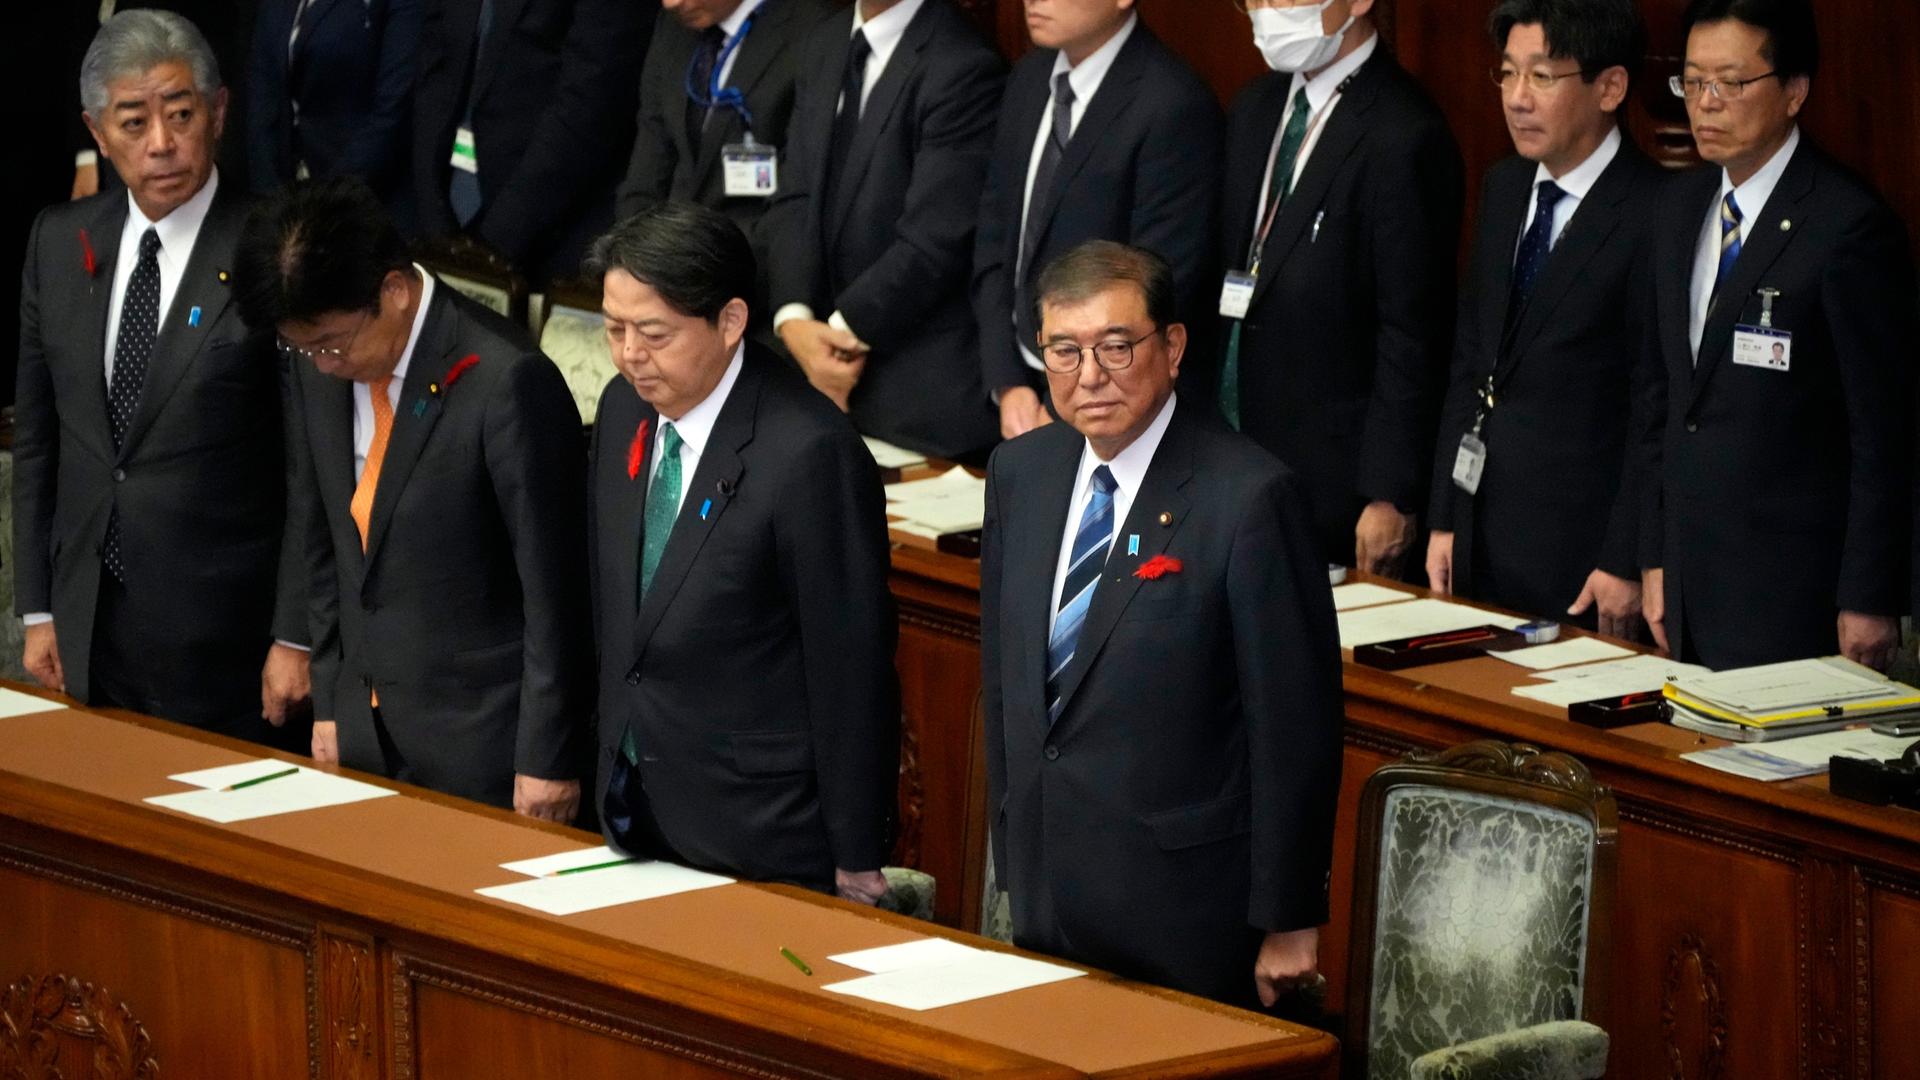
[1762, 930]
[348, 942]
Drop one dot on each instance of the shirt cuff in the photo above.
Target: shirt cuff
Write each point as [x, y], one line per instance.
[35, 618]
[293, 645]
[790, 312]
[839, 322]
[85, 158]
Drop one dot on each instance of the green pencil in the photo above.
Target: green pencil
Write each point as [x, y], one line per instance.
[595, 866]
[261, 779]
[795, 961]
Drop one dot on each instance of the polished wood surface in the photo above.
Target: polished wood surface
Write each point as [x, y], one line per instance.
[348, 942]
[1760, 930]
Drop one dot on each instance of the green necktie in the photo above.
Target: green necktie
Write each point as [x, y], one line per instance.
[1278, 186]
[663, 505]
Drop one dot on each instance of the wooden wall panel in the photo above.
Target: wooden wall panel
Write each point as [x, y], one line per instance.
[527, 1044]
[1894, 930]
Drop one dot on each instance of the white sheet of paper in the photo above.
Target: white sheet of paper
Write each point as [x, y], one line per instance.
[1568, 691]
[225, 775]
[15, 703]
[1790, 685]
[309, 789]
[926, 952]
[1365, 594]
[1804, 756]
[575, 893]
[943, 515]
[914, 528]
[888, 456]
[1642, 663]
[1578, 650]
[956, 480]
[987, 974]
[548, 865]
[1391, 622]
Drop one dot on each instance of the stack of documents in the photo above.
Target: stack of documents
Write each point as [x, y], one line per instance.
[1797, 697]
[1609, 679]
[934, 972]
[593, 878]
[15, 703]
[1365, 594]
[953, 502]
[257, 789]
[1807, 755]
[888, 456]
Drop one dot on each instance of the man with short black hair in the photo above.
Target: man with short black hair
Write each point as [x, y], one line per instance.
[1535, 506]
[440, 495]
[1779, 528]
[1160, 664]
[749, 713]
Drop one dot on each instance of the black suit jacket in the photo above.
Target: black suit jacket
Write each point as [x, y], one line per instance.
[352, 73]
[893, 251]
[1558, 497]
[552, 103]
[199, 481]
[1142, 168]
[1182, 805]
[1784, 495]
[757, 677]
[1343, 353]
[664, 164]
[467, 612]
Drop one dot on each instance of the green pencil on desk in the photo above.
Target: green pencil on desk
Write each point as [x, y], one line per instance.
[795, 961]
[595, 866]
[260, 779]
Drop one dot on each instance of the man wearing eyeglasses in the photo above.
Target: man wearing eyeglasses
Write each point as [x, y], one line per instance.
[1160, 665]
[1779, 526]
[440, 493]
[1534, 507]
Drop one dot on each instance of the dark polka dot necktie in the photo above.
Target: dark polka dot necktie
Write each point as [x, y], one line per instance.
[132, 350]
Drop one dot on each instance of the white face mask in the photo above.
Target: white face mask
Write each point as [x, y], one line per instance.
[1291, 40]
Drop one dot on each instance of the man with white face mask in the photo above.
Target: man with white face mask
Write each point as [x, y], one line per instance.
[1341, 213]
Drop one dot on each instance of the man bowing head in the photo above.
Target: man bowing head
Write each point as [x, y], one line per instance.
[1161, 672]
[749, 715]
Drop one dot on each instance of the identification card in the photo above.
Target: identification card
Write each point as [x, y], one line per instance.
[1236, 295]
[752, 171]
[1469, 463]
[464, 157]
[1763, 347]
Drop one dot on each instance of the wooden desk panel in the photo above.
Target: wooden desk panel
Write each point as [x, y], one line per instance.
[347, 942]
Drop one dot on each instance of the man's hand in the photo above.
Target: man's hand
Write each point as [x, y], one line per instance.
[86, 181]
[1021, 411]
[833, 359]
[1380, 539]
[1653, 606]
[284, 682]
[548, 800]
[860, 886]
[326, 742]
[1619, 601]
[42, 657]
[1287, 959]
[1869, 639]
[1440, 563]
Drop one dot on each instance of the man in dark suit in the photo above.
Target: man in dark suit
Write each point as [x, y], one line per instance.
[1780, 524]
[543, 90]
[1160, 665]
[1342, 212]
[443, 506]
[149, 493]
[749, 714]
[1534, 505]
[874, 221]
[330, 86]
[1104, 134]
[718, 74]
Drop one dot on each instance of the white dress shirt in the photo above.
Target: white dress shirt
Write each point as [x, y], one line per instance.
[1752, 199]
[1322, 98]
[178, 232]
[363, 392]
[696, 427]
[1129, 468]
[731, 25]
[1573, 186]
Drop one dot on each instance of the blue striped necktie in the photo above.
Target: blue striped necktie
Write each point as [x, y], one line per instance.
[1730, 218]
[1086, 564]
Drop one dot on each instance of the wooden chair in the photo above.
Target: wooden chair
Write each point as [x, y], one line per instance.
[1483, 896]
[482, 276]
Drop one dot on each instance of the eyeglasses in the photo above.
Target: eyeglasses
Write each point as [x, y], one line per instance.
[1064, 357]
[314, 355]
[1541, 81]
[1724, 89]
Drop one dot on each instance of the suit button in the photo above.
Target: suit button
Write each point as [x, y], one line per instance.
[1052, 753]
[119, 475]
[633, 677]
[1692, 426]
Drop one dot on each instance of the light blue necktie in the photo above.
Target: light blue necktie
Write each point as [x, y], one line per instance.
[1087, 563]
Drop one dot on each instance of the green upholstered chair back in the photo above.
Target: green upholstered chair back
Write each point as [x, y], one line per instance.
[1481, 889]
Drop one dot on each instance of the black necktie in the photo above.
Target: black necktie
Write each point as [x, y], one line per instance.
[706, 56]
[132, 349]
[1055, 149]
[1534, 248]
[846, 122]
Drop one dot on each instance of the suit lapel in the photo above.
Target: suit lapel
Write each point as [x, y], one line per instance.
[505, 14]
[815, 114]
[1764, 244]
[414, 415]
[1505, 212]
[103, 236]
[1245, 197]
[752, 57]
[315, 12]
[1594, 221]
[901, 69]
[181, 337]
[1031, 566]
[1114, 98]
[330, 427]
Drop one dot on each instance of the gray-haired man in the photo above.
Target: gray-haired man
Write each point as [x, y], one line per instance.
[149, 491]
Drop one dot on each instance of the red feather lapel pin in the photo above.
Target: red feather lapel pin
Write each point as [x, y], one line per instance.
[637, 450]
[1157, 567]
[87, 258]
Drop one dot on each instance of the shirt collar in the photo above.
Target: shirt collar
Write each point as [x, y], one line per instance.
[731, 24]
[1129, 466]
[696, 425]
[1086, 76]
[419, 321]
[1580, 179]
[1753, 195]
[1321, 87]
[178, 229]
[885, 30]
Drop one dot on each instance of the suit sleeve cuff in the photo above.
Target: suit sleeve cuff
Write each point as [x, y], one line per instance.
[790, 312]
[36, 618]
[293, 645]
[86, 158]
[838, 320]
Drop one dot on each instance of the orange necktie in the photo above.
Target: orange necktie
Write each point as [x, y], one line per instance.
[362, 505]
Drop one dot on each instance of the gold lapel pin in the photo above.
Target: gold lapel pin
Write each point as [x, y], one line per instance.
[1166, 517]
[225, 277]
[1786, 224]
